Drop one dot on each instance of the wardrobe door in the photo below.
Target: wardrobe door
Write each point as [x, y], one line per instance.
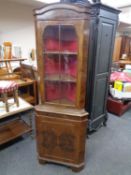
[102, 63]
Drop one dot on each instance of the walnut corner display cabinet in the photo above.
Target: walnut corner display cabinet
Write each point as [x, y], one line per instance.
[62, 43]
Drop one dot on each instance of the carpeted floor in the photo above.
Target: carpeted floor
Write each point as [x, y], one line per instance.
[108, 153]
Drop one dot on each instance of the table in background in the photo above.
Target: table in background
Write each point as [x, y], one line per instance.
[13, 127]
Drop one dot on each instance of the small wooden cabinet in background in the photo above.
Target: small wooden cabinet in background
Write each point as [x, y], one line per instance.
[122, 46]
[117, 49]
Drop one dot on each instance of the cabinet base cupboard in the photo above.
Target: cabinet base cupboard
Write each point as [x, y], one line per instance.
[62, 47]
[61, 134]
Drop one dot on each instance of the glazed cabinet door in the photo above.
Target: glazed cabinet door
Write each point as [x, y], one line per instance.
[61, 61]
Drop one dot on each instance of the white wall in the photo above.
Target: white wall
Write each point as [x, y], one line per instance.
[17, 26]
[125, 15]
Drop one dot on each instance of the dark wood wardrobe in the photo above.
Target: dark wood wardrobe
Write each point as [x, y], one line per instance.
[103, 24]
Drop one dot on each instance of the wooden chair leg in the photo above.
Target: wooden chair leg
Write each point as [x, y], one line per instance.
[5, 98]
[16, 97]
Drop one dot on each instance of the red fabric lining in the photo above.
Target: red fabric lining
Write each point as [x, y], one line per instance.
[68, 67]
[52, 65]
[52, 44]
[69, 46]
[54, 91]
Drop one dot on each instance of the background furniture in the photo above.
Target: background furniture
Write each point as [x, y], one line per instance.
[122, 46]
[118, 107]
[11, 123]
[119, 98]
[28, 84]
[27, 71]
[7, 87]
[27, 90]
[7, 50]
[123, 63]
[103, 29]
[7, 63]
[23, 76]
[62, 55]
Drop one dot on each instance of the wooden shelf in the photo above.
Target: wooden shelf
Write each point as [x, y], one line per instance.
[30, 87]
[23, 106]
[60, 52]
[3, 71]
[24, 82]
[8, 65]
[62, 101]
[11, 76]
[12, 130]
[28, 98]
[13, 59]
[61, 78]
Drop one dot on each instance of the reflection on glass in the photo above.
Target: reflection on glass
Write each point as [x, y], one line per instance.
[69, 92]
[52, 91]
[69, 65]
[52, 65]
[68, 39]
[51, 38]
[60, 92]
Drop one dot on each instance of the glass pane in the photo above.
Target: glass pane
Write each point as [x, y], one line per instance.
[51, 38]
[52, 91]
[68, 91]
[68, 78]
[69, 66]
[68, 62]
[60, 64]
[52, 64]
[68, 39]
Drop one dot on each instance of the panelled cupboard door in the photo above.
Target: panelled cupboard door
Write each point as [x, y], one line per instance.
[106, 32]
[67, 55]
